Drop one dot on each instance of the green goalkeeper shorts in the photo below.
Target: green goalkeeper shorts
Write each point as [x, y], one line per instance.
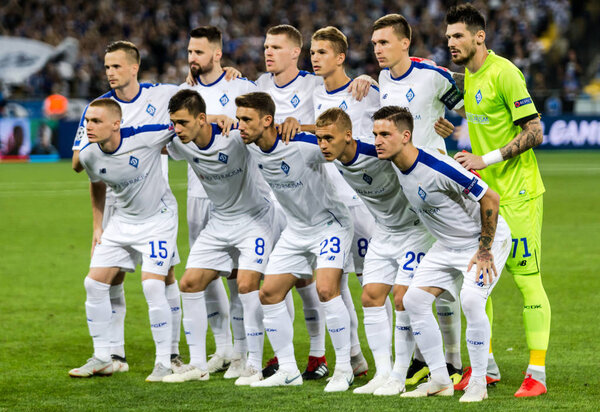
[525, 222]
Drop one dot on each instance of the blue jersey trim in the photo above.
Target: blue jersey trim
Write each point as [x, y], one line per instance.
[113, 152]
[412, 65]
[446, 74]
[305, 137]
[302, 73]
[451, 172]
[215, 130]
[113, 94]
[277, 139]
[213, 83]
[375, 87]
[339, 89]
[131, 131]
[80, 150]
[364, 148]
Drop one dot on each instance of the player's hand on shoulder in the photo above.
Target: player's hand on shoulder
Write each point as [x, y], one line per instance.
[231, 73]
[360, 86]
[288, 129]
[485, 270]
[470, 161]
[191, 80]
[443, 127]
[227, 124]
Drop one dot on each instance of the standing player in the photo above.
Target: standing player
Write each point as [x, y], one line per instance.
[398, 243]
[461, 212]
[143, 228]
[240, 233]
[205, 51]
[141, 103]
[318, 236]
[328, 51]
[504, 126]
[426, 90]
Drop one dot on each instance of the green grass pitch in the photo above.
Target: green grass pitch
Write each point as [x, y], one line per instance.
[44, 255]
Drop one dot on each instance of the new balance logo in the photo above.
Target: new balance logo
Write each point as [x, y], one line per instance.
[331, 258]
[416, 333]
[103, 171]
[159, 263]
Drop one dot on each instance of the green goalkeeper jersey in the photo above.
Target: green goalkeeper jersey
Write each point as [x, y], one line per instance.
[496, 98]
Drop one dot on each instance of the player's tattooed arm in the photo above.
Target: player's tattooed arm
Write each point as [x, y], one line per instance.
[98, 198]
[483, 259]
[530, 137]
[459, 79]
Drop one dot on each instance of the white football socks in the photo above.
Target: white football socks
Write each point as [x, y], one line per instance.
[117, 322]
[426, 331]
[237, 319]
[338, 325]
[347, 298]
[159, 313]
[478, 331]
[314, 318]
[289, 302]
[217, 309]
[405, 344]
[174, 299]
[448, 314]
[195, 325]
[377, 329]
[98, 313]
[253, 322]
[278, 326]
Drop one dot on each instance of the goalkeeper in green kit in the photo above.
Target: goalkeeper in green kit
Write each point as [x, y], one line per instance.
[504, 126]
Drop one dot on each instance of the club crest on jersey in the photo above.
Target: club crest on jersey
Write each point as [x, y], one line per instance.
[367, 178]
[478, 97]
[295, 101]
[224, 100]
[343, 106]
[150, 109]
[285, 167]
[134, 161]
[223, 157]
[410, 95]
[422, 193]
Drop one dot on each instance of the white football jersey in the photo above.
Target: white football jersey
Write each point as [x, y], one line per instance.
[425, 89]
[294, 99]
[150, 106]
[297, 176]
[362, 124]
[227, 172]
[132, 171]
[360, 112]
[376, 183]
[219, 97]
[446, 197]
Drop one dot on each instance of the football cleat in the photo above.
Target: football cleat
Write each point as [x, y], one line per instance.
[475, 392]
[377, 382]
[490, 379]
[417, 371]
[531, 387]
[248, 376]
[359, 365]
[119, 363]
[430, 388]
[340, 381]
[454, 373]
[237, 365]
[280, 378]
[217, 363]
[391, 387]
[271, 368]
[316, 368]
[188, 373]
[93, 366]
[158, 373]
[177, 364]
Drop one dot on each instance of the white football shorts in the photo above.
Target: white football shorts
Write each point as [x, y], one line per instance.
[198, 213]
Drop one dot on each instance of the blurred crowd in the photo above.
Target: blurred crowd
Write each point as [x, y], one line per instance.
[553, 42]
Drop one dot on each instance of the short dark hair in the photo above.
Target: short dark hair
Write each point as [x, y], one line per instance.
[109, 104]
[467, 14]
[333, 35]
[290, 31]
[259, 101]
[212, 34]
[400, 116]
[334, 115]
[126, 46]
[397, 22]
[189, 100]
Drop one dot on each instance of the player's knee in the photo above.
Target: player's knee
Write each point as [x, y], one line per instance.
[268, 296]
[417, 301]
[327, 292]
[473, 305]
[189, 284]
[370, 299]
[247, 286]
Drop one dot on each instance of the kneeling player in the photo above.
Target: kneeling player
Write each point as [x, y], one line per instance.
[461, 212]
[241, 231]
[318, 236]
[144, 227]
